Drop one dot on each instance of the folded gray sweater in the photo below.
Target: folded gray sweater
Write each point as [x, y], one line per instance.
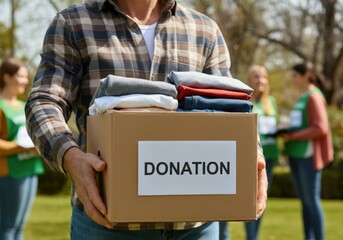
[202, 80]
[117, 86]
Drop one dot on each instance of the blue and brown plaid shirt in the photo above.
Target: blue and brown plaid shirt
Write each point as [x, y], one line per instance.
[86, 43]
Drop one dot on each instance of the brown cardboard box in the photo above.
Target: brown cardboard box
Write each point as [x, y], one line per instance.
[123, 139]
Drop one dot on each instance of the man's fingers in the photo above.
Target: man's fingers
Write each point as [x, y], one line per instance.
[92, 189]
[95, 215]
[261, 163]
[260, 209]
[83, 168]
[262, 192]
[95, 199]
[93, 205]
[96, 163]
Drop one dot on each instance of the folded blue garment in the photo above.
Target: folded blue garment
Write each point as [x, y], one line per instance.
[220, 104]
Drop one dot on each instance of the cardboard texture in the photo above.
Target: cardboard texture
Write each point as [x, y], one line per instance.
[115, 135]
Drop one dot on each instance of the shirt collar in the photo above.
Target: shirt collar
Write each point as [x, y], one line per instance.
[168, 9]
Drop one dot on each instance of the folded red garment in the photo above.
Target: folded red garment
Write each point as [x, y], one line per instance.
[184, 91]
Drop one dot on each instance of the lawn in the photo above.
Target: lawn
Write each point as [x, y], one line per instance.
[50, 219]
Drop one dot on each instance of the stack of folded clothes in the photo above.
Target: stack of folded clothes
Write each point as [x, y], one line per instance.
[208, 93]
[122, 93]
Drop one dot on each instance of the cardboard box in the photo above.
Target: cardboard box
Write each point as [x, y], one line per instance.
[173, 166]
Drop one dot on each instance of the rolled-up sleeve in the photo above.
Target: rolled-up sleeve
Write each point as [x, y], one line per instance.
[53, 94]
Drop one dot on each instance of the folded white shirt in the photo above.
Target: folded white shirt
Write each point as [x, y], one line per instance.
[105, 103]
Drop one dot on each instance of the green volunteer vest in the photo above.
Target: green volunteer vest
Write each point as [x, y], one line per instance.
[267, 124]
[23, 164]
[299, 120]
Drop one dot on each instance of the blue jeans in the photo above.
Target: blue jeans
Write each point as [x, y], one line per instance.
[252, 228]
[82, 227]
[221, 104]
[16, 199]
[224, 233]
[307, 183]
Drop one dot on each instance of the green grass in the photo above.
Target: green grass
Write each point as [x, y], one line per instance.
[50, 219]
[283, 220]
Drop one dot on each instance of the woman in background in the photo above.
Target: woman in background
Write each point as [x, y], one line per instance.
[309, 146]
[265, 106]
[19, 162]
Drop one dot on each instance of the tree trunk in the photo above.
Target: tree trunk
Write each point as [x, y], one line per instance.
[329, 47]
[14, 5]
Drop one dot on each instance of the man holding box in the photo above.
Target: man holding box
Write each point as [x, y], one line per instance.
[139, 38]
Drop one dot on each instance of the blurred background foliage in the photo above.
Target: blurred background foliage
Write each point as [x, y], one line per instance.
[273, 33]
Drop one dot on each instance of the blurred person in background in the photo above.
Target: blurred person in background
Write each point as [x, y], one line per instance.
[19, 162]
[309, 146]
[265, 106]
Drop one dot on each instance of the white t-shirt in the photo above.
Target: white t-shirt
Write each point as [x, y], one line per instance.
[148, 32]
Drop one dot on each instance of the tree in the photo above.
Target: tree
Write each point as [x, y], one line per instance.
[59, 5]
[279, 33]
[21, 18]
[230, 21]
[7, 34]
[311, 30]
[4, 41]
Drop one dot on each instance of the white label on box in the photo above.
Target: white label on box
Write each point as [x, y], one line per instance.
[186, 167]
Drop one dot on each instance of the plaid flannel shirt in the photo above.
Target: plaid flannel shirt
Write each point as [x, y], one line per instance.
[86, 43]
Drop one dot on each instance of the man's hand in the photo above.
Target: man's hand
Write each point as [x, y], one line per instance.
[83, 167]
[262, 186]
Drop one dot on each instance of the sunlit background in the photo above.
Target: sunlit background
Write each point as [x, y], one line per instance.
[272, 33]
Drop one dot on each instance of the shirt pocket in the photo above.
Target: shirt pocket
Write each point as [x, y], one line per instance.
[185, 60]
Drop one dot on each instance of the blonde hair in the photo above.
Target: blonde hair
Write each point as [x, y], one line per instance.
[266, 105]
